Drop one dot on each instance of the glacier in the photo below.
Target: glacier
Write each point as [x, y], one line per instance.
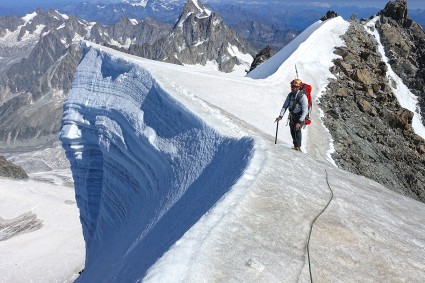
[145, 168]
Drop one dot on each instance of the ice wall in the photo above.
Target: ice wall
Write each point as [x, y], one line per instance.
[145, 168]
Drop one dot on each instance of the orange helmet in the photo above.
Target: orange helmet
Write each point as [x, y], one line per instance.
[296, 83]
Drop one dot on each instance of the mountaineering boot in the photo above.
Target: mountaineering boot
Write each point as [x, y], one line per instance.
[296, 148]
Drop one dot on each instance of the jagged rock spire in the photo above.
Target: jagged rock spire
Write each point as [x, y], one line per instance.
[193, 7]
[200, 36]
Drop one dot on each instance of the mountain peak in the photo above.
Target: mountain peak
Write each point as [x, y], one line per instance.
[198, 6]
[396, 10]
[193, 7]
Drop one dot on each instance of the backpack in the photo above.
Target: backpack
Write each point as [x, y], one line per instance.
[307, 88]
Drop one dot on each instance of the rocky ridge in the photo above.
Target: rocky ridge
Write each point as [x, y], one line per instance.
[372, 133]
[404, 43]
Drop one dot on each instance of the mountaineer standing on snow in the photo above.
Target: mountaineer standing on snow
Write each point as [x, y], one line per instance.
[297, 104]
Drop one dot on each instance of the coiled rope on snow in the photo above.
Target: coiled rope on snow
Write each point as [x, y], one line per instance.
[312, 223]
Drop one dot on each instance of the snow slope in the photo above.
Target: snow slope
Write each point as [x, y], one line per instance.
[40, 235]
[178, 178]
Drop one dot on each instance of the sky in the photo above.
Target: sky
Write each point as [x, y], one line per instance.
[258, 229]
[412, 4]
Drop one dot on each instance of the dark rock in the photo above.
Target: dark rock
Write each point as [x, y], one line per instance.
[329, 15]
[261, 57]
[396, 10]
[7, 169]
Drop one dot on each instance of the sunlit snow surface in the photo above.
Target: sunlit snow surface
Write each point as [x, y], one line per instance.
[40, 234]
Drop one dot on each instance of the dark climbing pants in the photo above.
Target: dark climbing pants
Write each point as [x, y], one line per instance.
[296, 134]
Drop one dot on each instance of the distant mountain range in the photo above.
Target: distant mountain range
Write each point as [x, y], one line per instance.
[260, 22]
[39, 54]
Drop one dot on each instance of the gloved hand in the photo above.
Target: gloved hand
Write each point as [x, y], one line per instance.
[300, 124]
[278, 119]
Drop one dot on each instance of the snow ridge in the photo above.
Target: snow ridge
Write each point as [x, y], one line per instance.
[142, 175]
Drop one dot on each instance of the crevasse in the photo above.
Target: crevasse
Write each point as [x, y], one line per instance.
[145, 169]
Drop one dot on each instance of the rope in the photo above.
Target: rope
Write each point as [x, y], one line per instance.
[311, 226]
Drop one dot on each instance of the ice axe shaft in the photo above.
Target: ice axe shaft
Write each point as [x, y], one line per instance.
[296, 70]
[277, 129]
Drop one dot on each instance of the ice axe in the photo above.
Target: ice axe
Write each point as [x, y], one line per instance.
[277, 129]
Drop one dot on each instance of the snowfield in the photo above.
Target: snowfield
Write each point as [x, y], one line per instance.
[178, 179]
[40, 232]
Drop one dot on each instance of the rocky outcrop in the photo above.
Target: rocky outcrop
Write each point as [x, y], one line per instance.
[329, 15]
[372, 133]
[404, 43]
[396, 10]
[10, 170]
[261, 57]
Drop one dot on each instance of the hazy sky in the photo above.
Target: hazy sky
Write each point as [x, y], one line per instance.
[412, 4]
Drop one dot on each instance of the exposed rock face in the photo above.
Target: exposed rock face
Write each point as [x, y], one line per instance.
[32, 86]
[396, 10]
[198, 36]
[404, 43]
[10, 170]
[372, 133]
[126, 33]
[261, 57]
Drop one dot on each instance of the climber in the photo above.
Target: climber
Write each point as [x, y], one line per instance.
[297, 104]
